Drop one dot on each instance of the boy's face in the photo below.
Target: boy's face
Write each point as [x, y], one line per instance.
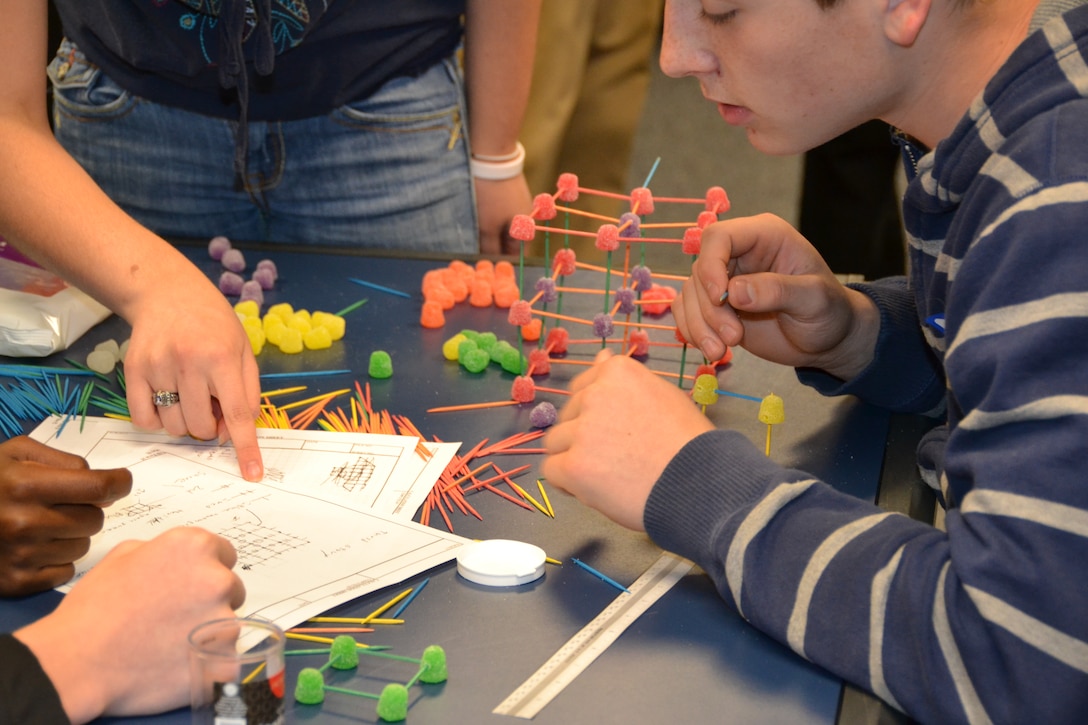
[793, 75]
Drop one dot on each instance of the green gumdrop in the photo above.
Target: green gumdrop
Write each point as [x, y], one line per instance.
[310, 686]
[476, 361]
[487, 340]
[393, 703]
[433, 665]
[514, 362]
[343, 654]
[464, 349]
[381, 365]
[471, 334]
[498, 350]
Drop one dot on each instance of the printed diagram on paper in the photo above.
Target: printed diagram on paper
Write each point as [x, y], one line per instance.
[330, 522]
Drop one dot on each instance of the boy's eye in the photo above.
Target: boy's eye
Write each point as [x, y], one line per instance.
[717, 18]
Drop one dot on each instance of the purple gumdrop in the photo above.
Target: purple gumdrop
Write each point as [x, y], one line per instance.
[641, 278]
[230, 283]
[269, 264]
[233, 260]
[217, 246]
[625, 296]
[602, 325]
[265, 277]
[629, 226]
[546, 287]
[251, 290]
[543, 415]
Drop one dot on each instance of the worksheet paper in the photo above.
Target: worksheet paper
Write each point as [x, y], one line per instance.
[331, 520]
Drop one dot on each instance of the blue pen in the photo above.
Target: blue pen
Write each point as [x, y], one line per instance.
[600, 576]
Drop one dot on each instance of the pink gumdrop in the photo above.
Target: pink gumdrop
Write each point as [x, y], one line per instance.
[268, 264]
[251, 290]
[523, 390]
[557, 340]
[564, 262]
[640, 342]
[521, 313]
[693, 240]
[717, 200]
[217, 246]
[658, 293]
[567, 187]
[231, 283]
[642, 201]
[608, 238]
[706, 218]
[544, 207]
[234, 260]
[265, 277]
[602, 325]
[539, 362]
[522, 227]
[543, 415]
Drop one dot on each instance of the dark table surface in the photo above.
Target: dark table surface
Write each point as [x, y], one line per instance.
[689, 658]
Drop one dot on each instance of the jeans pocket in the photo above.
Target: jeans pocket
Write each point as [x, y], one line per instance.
[81, 90]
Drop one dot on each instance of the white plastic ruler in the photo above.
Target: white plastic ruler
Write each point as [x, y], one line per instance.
[584, 647]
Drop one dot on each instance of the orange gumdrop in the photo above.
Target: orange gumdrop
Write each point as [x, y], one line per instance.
[656, 293]
[506, 294]
[531, 332]
[440, 294]
[432, 316]
[481, 294]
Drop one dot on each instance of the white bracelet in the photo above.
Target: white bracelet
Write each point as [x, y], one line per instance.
[498, 168]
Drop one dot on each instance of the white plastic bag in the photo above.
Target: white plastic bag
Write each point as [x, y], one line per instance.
[39, 312]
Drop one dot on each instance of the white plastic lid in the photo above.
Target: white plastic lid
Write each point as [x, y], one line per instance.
[501, 562]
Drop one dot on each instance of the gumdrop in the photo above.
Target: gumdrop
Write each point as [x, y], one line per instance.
[265, 277]
[440, 294]
[290, 341]
[705, 369]
[521, 313]
[522, 227]
[485, 268]
[705, 219]
[679, 336]
[545, 287]
[217, 246]
[497, 350]
[523, 390]
[230, 283]
[642, 201]
[251, 290]
[717, 200]
[539, 362]
[393, 703]
[300, 321]
[466, 347]
[343, 653]
[273, 328]
[513, 361]
[335, 324]
[567, 186]
[482, 295]
[640, 342]
[102, 361]
[725, 359]
[234, 260]
[381, 365]
[255, 333]
[655, 294]
[693, 240]
[487, 341]
[456, 284]
[433, 665]
[450, 346]
[602, 325]
[431, 316]
[318, 338]
[247, 308]
[608, 238]
[564, 262]
[630, 227]
[269, 265]
[284, 310]
[557, 339]
[625, 298]
[531, 331]
[772, 410]
[543, 415]
[506, 293]
[704, 392]
[544, 207]
[310, 686]
[475, 361]
[504, 269]
[641, 278]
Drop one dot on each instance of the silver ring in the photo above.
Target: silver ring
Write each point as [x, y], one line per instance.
[164, 398]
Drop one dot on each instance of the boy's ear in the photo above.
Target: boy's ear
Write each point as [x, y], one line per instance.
[903, 20]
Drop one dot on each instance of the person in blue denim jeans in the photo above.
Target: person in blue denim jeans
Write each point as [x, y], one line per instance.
[339, 123]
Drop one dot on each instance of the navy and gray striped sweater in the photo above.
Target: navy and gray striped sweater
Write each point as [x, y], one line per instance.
[986, 621]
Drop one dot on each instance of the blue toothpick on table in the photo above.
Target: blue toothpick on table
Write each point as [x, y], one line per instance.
[599, 575]
[379, 287]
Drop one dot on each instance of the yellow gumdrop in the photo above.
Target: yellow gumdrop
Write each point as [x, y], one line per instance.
[248, 308]
[300, 323]
[252, 324]
[451, 346]
[282, 310]
[256, 338]
[333, 323]
[290, 341]
[705, 390]
[771, 410]
[317, 339]
[273, 328]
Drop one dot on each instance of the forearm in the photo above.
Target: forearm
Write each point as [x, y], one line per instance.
[500, 42]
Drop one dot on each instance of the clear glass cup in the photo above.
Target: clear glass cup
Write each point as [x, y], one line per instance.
[237, 672]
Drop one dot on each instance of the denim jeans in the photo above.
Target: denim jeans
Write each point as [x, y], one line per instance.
[390, 171]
